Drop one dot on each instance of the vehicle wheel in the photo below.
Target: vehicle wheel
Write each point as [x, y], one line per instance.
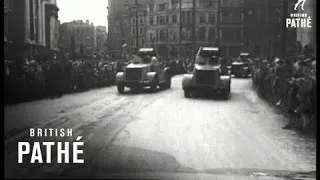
[227, 93]
[186, 93]
[168, 83]
[155, 84]
[120, 88]
[154, 88]
[163, 86]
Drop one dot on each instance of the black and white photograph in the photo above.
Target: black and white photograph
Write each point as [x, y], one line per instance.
[160, 89]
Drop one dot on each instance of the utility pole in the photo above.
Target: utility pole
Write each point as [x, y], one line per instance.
[283, 27]
[137, 24]
[180, 28]
[193, 26]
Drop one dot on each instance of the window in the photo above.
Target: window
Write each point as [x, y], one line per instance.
[174, 36]
[175, 1]
[161, 7]
[183, 36]
[142, 41]
[151, 7]
[157, 36]
[189, 18]
[140, 31]
[174, 18]
[210, 3]
[133, 31]
[133, 21]
[183, 14]
[141, 20]
[162, 35]
[202, 33]
[162, 20]
[203, 3]
[151, 37]
[151, 20]
[202, 18]
[175, 4]
[167, 19]
[212, 34]
[212, 18]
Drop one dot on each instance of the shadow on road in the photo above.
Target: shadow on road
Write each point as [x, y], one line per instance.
[144, 90]
[123, 159]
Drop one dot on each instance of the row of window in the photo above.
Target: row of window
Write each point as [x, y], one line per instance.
[185, 4]
[165, 35]
[204, 18]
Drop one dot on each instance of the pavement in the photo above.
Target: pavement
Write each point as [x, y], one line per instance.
[163, 135]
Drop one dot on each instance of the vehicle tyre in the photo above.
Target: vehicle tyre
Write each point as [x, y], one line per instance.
[120, 88]
[154, 88]
[155, 84]
[186, 93]
[227, 93]
[168, 83]
[163, 86]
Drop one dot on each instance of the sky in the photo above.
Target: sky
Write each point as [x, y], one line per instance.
[93, 10]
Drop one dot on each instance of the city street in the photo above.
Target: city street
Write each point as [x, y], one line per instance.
[160, 133]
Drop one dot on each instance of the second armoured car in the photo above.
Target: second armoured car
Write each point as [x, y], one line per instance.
[207, 74]
[242, 66]
[144, 70]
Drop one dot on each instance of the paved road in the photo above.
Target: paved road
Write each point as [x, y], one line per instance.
[161, 133]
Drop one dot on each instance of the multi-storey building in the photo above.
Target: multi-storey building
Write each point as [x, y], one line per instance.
[307, 36]
[122, 24]
[101, 39]
[78, 37]
[231, 31]
[31, 28]
[173, 30]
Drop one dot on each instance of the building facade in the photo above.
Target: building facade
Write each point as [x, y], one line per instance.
[31, 28]
[178, 28]
[78, 37]
[122, 24]
[308, 36]
[101, 39]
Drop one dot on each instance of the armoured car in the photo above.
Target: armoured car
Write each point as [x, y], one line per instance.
[145, 70]
[207, 74]
[242, 66]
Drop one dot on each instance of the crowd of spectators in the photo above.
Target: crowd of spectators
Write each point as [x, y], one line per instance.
[290, 84]
[38, 79]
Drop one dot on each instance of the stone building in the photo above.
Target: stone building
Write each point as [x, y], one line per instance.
[308, 36]
[78, 37]
[231, 31]
[172, 29]
[101, 39]
[30, 28]
[122, 24]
